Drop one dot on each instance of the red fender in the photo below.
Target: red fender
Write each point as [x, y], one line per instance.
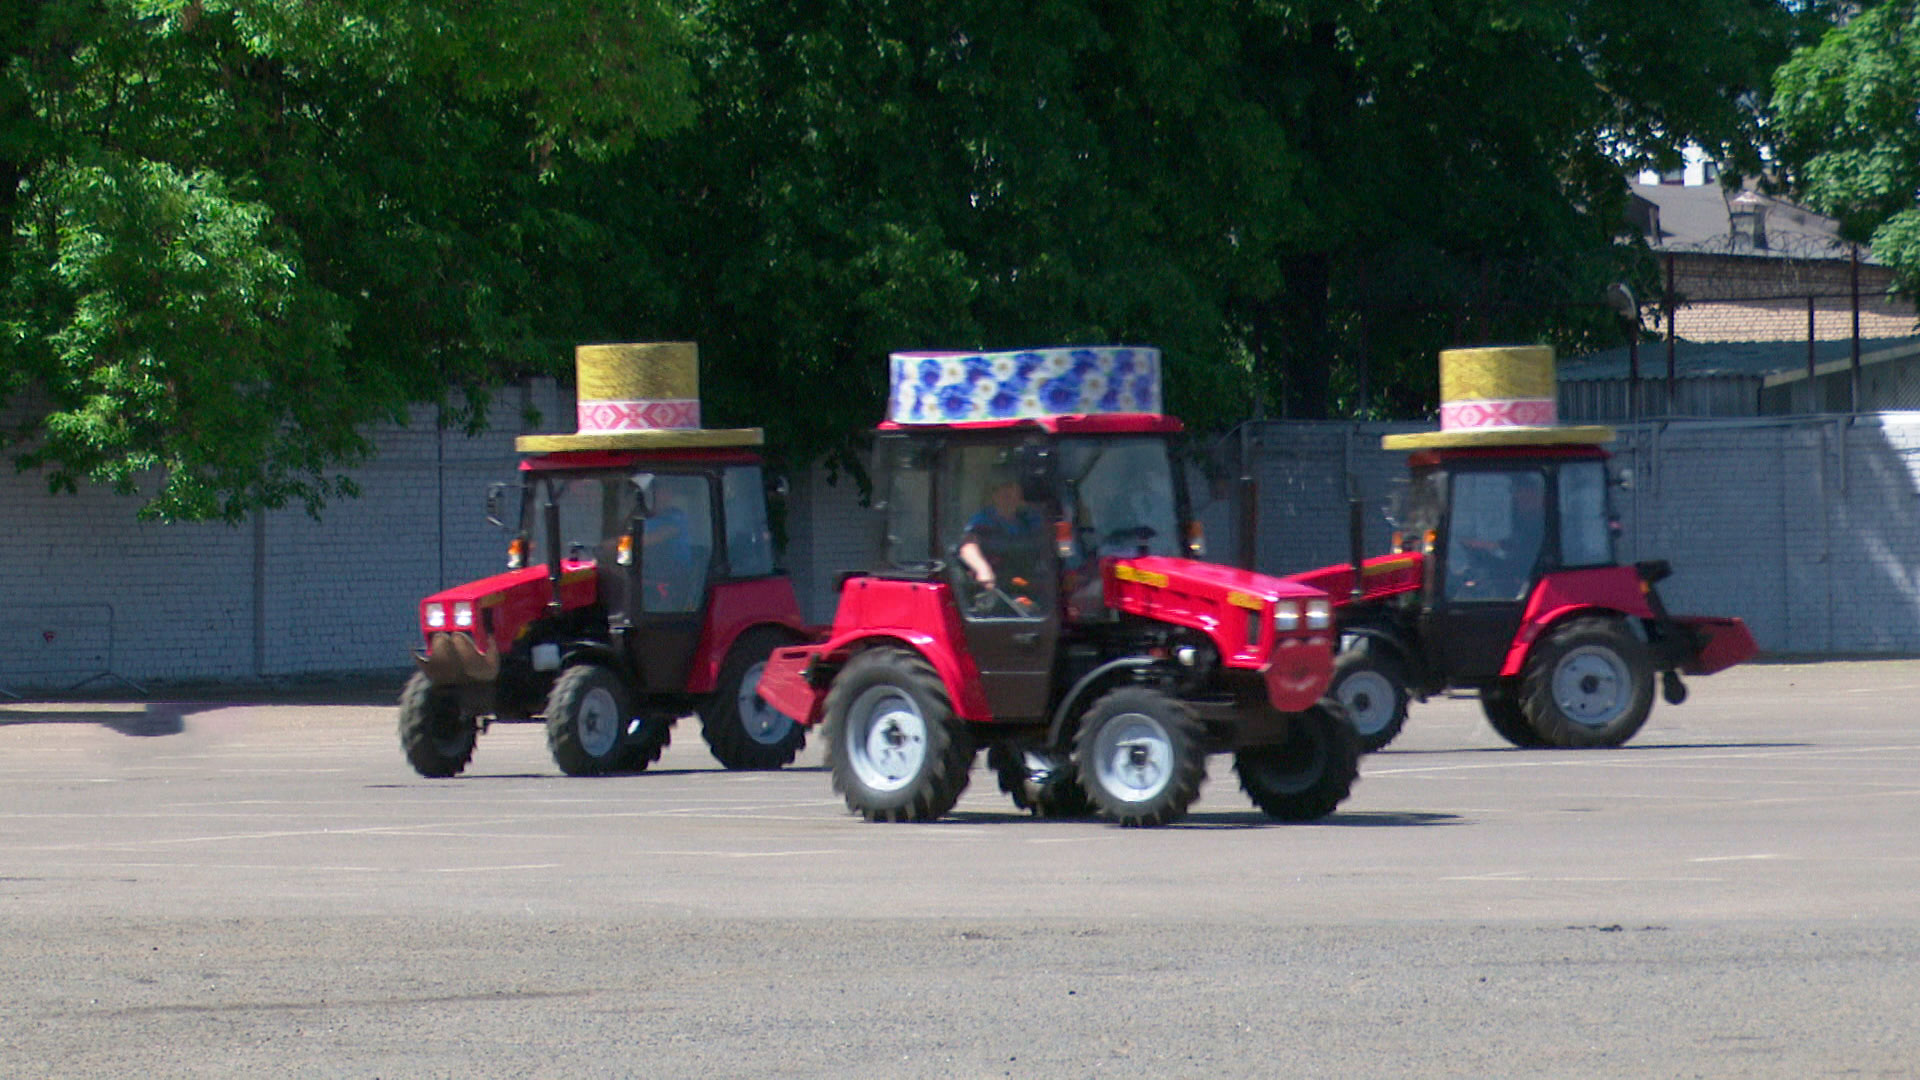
[917, 614]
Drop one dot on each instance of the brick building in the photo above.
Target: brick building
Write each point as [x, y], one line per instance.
[1763, 311]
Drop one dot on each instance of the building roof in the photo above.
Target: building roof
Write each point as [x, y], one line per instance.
[1697, 218]
[1751, 359]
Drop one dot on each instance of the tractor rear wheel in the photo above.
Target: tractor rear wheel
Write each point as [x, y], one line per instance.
[1500, 701]
[1589, 682]
[1050, 792]
[588, 713]
[1372, 685]
[1142, 756]
[895, 748]
[435, 734]
[1305, 777]
[742, 730]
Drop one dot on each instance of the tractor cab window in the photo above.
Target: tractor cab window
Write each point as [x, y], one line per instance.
[1001, 543]
[594, 508]
[678, 544]
[905, 490]
[1120, 497]
[1586, 521]
[743, 498]
[1494, 539]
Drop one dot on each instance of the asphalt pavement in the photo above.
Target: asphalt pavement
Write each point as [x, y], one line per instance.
[226, 887]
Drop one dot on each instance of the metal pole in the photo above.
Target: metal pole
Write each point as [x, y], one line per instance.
[1854, 250]
[1813, 396]
[1672, 337]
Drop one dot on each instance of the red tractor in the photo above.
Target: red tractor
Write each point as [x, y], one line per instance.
[1504, 580]
[640, 587]
[1039, 598]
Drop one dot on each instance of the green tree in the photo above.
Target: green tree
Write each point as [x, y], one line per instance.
[242, 230]
[1849, 122]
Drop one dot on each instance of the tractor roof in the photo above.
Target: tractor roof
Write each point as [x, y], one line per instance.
[1067, 424]
[625, 459]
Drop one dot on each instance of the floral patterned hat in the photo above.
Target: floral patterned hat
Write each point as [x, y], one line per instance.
[955, 387]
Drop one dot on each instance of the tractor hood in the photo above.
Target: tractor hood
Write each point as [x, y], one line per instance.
[494, 610]
[1281, 628]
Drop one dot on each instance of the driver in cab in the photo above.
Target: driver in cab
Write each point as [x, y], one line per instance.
[1003, 539]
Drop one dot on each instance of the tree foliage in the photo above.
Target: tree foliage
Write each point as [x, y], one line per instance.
[1849, 119]
[243, 229]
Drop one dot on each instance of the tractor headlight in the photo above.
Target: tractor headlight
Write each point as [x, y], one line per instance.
[463, 614]
[1319, 614]
[436, 617]
[1286, 616]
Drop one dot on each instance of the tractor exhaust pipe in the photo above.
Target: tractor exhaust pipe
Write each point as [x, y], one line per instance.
[1357, 542]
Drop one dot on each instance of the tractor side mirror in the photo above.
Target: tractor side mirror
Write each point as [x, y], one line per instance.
[496, 501]
[642, 493]
[1033, 467]
[1623, 479]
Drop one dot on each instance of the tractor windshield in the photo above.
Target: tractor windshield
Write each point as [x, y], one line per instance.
[597, 508]
[594, 507]
[1120, 496]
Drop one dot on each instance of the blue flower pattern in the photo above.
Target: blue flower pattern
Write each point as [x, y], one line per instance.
[945, 387]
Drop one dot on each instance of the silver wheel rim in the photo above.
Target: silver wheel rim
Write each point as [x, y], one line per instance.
[764, 724]
[1368, 696]
[1592, 686]
[886, 738]
[1133, 757]
[598, 721]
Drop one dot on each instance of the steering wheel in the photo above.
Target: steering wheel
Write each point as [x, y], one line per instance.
[992, 599]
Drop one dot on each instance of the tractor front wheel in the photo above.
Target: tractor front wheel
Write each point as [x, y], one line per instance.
[1372, 685]
[588, 712]
[1304, 778]
[435, 734]
[742, 730]
[895, 748]
[1142, 756]
[1588, 683]
[1500, 701]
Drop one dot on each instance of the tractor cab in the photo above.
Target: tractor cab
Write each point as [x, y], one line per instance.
[640, 587]
[661, 532]
[1016, 520]
[1038, 596]
[1495, 524]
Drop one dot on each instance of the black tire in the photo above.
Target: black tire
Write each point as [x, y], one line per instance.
[589, 711]
[895, 748]
[741, 729]
[1588, 683]
[1500, 701]
[1141, 756]
[435, 735]
[1371, 684]
[1059, 795]
[647, 737]
[1306, 777]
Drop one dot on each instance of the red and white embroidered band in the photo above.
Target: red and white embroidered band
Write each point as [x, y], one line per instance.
[605, 417]
[1512, 412]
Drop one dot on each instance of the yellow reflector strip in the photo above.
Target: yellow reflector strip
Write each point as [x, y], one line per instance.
[1387, 567]
[1246, 600]
[1144, 577]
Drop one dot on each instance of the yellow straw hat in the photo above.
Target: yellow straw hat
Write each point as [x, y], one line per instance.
[1502, 396]
[639, 397]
